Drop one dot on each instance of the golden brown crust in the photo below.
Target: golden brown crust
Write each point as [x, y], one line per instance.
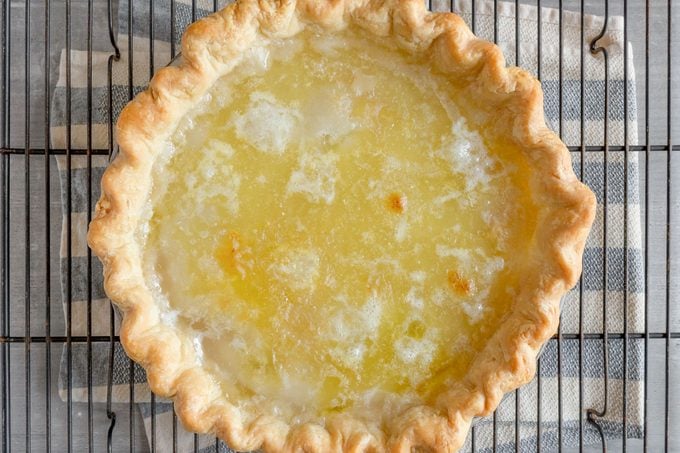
[509, 101]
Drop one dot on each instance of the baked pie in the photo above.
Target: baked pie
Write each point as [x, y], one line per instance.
[338, 225]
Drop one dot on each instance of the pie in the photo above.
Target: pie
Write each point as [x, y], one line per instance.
[338, 226]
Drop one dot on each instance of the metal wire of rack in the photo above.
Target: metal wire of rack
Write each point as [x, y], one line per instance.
[33, 330]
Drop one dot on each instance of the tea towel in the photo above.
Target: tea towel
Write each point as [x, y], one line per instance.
[133, 40]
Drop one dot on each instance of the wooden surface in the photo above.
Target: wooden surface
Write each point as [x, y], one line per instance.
[38, 275]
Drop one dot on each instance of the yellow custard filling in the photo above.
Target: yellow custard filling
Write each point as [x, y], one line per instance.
[332, 231]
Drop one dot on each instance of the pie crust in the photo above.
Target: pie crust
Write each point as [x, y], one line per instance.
[508, 101]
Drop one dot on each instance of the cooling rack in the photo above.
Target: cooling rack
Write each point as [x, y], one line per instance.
[37, 340]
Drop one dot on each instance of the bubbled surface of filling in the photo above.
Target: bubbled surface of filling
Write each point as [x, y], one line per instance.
[330, 231]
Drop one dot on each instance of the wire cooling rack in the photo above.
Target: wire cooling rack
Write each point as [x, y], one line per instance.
[35, 331]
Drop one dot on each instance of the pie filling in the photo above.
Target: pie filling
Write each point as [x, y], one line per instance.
[333, 232]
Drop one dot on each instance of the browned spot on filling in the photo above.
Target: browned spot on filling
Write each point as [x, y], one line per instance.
[234, 255]
[396, 202]
[459, 284]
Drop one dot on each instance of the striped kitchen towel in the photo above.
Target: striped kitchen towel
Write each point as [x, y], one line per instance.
[140, 56]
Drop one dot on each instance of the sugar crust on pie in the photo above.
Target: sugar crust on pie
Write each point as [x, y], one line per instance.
[338, 226]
